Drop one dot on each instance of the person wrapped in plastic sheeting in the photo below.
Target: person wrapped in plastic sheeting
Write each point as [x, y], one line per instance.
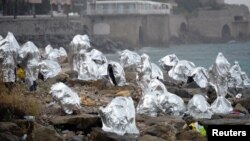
[49, 68]
[115, 69]
[156, 99]
[236, 79]
[144, 69]
[200, 77]
[88, 69]
[79, 42]
[199, 108]
[181, 71]
[129, 59]
[246, 80]
[100, 60]
[171, 104]
[168, 61]
[8, 57]
[119, 116]
[156, 72]
[30, 57]
[67, 98]
[218, 78]
[59, 55]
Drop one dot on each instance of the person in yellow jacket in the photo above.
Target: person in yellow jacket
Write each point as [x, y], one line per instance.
[21, 74]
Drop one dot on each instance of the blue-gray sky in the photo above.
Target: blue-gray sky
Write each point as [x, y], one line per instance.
[246, 2]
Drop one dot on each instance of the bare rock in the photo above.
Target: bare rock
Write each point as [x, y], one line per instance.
[190, 135]
[80, 122]
[42, 133]
[7, 136]
[150, 138]
[167, 131]
[98, 134]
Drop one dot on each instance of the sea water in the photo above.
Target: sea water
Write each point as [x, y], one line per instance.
[201, 54]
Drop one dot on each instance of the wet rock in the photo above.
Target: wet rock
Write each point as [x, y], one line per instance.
[177, 122]
[150, 138]
[98, 134]
[7, 136]
[42, 133]
[77, 122]
[164, 131]
[180, 92]
[190, 135]
[245, 103]
[78, 138]
[241, 121]
[241, 109]
[8, 126]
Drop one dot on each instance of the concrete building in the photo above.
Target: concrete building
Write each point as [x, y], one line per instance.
[104, 7]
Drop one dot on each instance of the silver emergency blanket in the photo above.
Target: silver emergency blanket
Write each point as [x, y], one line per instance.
[238, 79]
[182, 70]
[8, 54]
[144, 69]
[92, 65]
[59, 55]
[30, 57]
[246, 80]
[49, 68]
[88, 69]
[79, 42]
[119, 116]
[118, 73]
[129, 59]
[200, 76]
[156, 99]
[171, 104]
[218, 78]
[156, 72]
[168, 61]
[67, 98]
[100, 60]
[199, 108]
[1, 38]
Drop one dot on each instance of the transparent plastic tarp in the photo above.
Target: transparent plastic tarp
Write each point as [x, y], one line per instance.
[118, 73]
[129, 59]
[168, 61]
[156, 99]
[66, 97]
[182, 70]
[200, 76]
[156, 72]
[199, 108]
[79, 42]
[49, 68]
[29, 56]
[119, 116]
[218, 76]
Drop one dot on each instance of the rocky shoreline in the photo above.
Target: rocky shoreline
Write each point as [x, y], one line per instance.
[53, 125]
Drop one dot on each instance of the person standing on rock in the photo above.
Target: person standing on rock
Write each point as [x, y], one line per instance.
[8, 54]
[29, 58]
